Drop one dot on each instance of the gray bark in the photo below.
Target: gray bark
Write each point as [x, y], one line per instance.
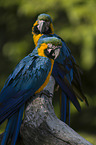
[41, 126]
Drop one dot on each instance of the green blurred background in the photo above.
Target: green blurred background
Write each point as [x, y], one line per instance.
[75, 22]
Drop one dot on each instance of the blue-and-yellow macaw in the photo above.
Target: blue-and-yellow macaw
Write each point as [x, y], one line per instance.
[65, 70]
[29, 77]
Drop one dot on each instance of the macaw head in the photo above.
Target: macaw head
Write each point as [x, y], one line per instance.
[43, 25]
[49, 47]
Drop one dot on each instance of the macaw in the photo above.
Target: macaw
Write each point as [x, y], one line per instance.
[65, 70]
[29, 77]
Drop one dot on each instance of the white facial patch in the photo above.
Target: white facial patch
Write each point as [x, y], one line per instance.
[49, 50]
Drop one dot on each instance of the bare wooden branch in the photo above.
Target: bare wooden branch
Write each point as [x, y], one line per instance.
[41, 126]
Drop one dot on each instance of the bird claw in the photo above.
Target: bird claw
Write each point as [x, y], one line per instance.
[47, 93]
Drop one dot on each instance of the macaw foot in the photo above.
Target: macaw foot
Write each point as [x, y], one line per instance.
[47, 93]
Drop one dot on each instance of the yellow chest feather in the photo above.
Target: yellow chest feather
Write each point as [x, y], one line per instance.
[47, 79]
[36, 38]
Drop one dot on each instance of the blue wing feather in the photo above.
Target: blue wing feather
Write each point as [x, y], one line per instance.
[60, 79]
[22, 81]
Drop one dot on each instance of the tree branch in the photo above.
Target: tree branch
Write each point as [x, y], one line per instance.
[41, 126]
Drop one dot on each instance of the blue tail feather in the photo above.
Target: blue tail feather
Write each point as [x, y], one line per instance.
[13, 127]
[63, 106]
[7, 130]
[69, 112]
[17, 128]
